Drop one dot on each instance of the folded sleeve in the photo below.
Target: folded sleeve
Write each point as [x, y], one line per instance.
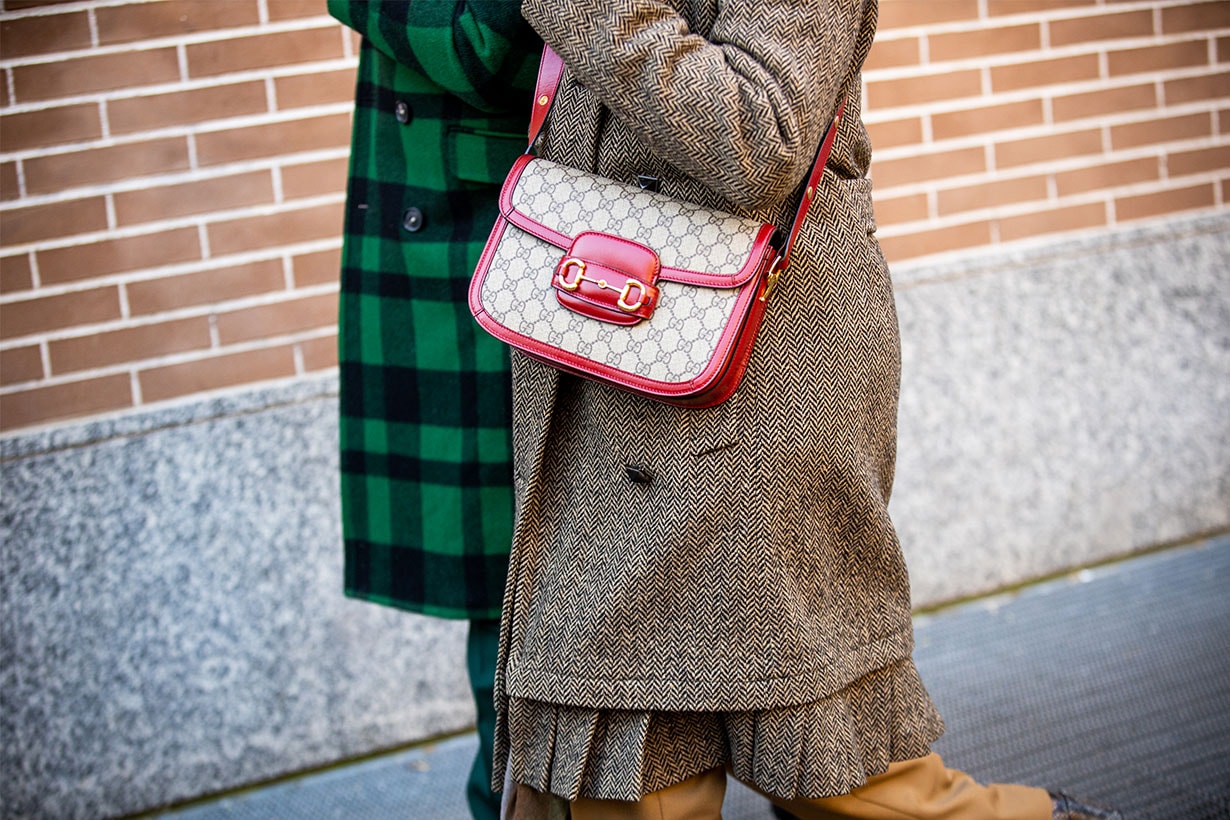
[741, 108]
[478, 50]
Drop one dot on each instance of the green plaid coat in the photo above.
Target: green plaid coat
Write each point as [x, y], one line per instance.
[441, 110]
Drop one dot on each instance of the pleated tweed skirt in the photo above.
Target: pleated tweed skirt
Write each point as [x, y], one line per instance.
[819, 749]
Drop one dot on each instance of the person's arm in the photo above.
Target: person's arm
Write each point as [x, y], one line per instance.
[742, 110]
[474, 49]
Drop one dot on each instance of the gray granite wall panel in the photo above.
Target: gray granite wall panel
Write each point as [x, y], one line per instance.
[1059, 409]
[172, 623]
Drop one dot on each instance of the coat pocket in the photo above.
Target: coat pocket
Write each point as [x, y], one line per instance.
[481, 156]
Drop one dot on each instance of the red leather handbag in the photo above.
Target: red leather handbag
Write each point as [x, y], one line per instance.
[626, 286]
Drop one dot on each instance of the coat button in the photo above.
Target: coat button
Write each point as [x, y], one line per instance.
[639, 474]
[412, 220]
[401, 110]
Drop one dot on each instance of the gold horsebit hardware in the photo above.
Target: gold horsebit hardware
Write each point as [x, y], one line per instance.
[572, 262]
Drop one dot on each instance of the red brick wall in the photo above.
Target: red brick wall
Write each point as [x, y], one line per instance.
[998, 121]
[171, 173]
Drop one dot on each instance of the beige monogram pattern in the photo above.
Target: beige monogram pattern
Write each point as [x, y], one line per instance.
[674, 345]
[685, 235]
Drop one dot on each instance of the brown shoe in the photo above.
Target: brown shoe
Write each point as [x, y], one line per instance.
[1064, 807]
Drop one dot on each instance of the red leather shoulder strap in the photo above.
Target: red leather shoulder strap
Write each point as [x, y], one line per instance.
[813, 182]
[550, 69]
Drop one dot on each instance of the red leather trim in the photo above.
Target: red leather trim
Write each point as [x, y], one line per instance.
[480, 271]
[510, 183]
[550, 70]
[601, 276]
[813, 182]
[624, 255]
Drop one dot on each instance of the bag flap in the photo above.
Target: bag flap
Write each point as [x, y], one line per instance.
[697, 245]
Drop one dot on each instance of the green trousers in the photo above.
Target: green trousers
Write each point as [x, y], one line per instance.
[482, 647]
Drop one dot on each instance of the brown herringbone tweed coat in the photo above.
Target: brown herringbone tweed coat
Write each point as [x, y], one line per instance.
[758, 568]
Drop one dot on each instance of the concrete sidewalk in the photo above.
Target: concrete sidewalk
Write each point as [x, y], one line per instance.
[1112, 684]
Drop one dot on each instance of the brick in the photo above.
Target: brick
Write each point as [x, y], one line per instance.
[47, 313]
[50, 126]
[1101, 27]
[898, 209]
[1106, 101]
[58, 172]
[1223, 121]
[1223, 49]
[93, 74]
[1052, 220]
[20, 226]
[63, 401]
[1171, 201]
[1225, 190]
[282, 228]
[205, 287]
[986, 119]
[10, 187]
[319, 268]
[17, 5]
[147, 21]
[277, 319]
[893, 53]
[907, 131]
[1156, 131]
[274, 139]
[27, 36]
[1042, 73]
[294, 9]
[963, 45]
[1042, 149]
[990, 194]
[923, 89]
[1158, 58]
[186, 107]
[21, 364]
[263, 51]
[319, 354]
[1107, 175]
[1196, 17]
[936, 240]
[16, 273]
[110, 256]
[202, 196]
[902, 13]
[323, 87]
[1198, 161]
[170, 381]
[314, 178]
[131, 344]
[924, 167]
[1192, 89]
[998, 8]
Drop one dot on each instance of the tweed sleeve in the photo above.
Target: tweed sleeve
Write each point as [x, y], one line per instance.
[481, 51]
[741, 108]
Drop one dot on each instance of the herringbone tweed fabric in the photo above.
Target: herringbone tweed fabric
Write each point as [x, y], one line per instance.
[758, 572]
